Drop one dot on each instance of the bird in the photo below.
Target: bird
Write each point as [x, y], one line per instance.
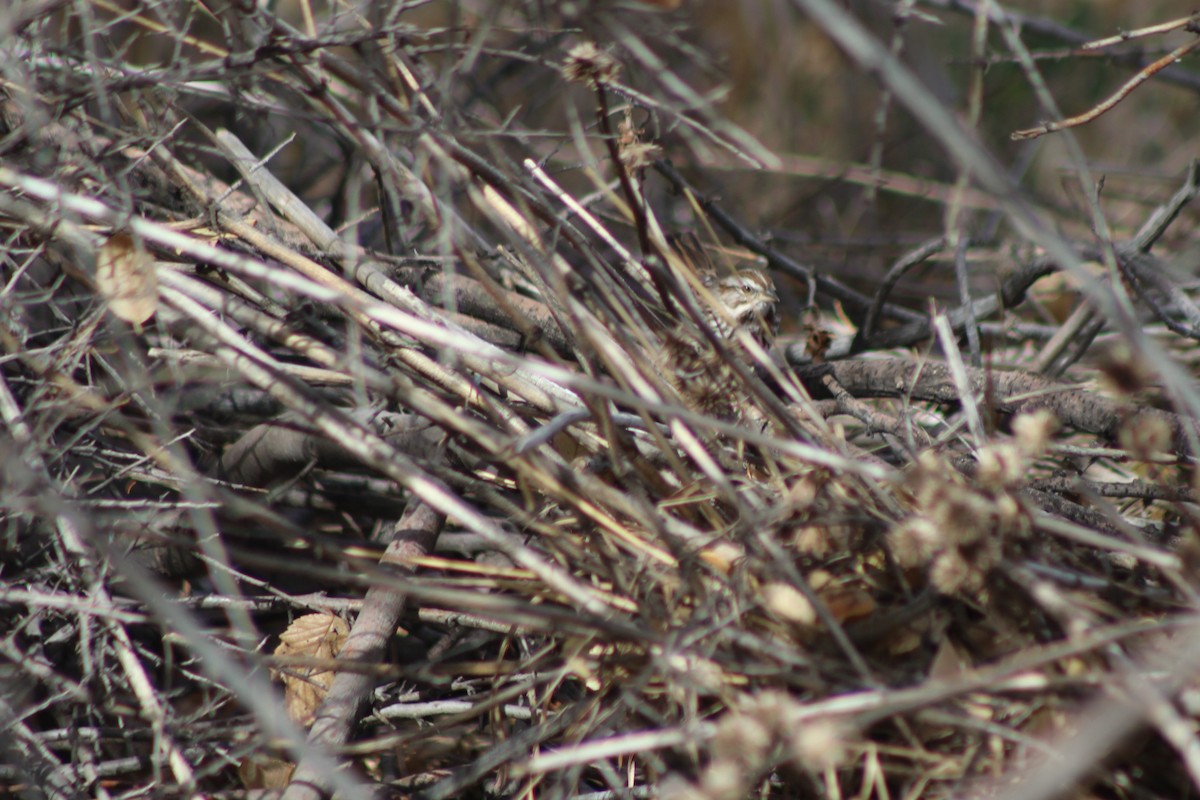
[745, 301]
[702, 374]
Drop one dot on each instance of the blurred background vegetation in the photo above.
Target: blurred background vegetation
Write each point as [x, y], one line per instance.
[769, 70]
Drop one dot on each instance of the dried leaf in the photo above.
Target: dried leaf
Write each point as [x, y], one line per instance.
[950, 662]
[126, 277]
[259, 771]
[316, 636]
[850, 604]
[788, 603]
[723, 555]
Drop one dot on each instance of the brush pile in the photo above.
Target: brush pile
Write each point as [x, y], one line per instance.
[340, 450]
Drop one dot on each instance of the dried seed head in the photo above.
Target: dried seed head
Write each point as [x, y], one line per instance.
[721, 779]
[952, 573]
[962, 517]
[803, 493]
[915, 541]
[1033, 432]
[743, 739]
[1000, 466]
[819, 744]
[587, 63]
[959, 527]
[635, 153]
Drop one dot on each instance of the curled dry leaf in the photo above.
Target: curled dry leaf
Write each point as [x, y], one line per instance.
[318, 636]
[126, 277]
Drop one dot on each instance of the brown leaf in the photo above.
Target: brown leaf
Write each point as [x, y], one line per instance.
[850, 604]
[316, 636]
[950, 661]
[789, 603]
[126, 277]
[265, 772]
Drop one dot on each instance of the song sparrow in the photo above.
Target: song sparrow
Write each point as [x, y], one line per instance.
[745, 301]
